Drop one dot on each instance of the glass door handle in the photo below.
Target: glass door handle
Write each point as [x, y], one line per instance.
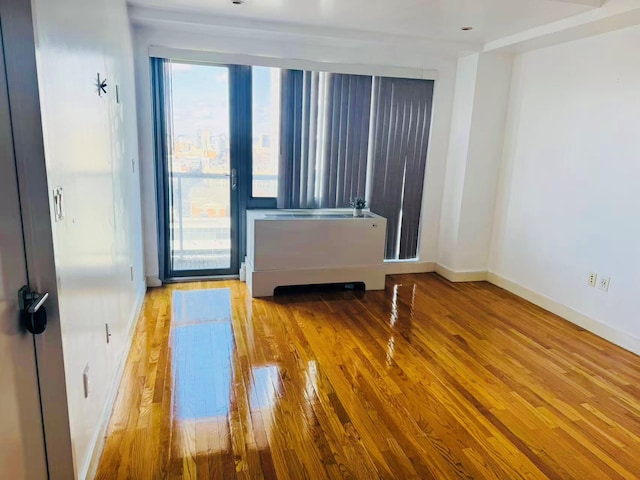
[234, 179]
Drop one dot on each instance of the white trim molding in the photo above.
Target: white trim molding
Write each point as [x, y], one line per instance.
[460, 276]
[153, 281]
[618, 337]
[399, 267]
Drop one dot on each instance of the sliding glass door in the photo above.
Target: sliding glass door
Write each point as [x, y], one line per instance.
[201, 213]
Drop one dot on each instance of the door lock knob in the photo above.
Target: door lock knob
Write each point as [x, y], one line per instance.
[32, 312]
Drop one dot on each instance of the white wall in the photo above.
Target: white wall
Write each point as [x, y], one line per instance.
[90, 142]
[457, 154]
[569, 192]
[474, 160]
[305, 48]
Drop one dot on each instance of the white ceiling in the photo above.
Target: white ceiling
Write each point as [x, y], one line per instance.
[433, 19]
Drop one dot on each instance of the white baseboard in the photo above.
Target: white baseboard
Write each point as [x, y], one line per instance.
[400, 267]
[460, 276]
[618, 337]
[153, 281]
[98, 440]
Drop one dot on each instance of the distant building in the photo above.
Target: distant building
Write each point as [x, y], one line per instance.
[204, 139]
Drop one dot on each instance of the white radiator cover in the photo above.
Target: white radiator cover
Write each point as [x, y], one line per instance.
[307, 247]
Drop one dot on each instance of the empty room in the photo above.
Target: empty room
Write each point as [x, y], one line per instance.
[309, 239]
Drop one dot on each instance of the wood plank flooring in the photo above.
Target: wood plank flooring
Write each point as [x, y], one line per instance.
[427, 379]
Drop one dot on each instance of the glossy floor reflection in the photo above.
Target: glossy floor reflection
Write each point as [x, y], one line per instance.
[202, 355]
[426, 379]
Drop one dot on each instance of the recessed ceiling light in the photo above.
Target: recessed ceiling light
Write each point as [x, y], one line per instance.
[466, 29]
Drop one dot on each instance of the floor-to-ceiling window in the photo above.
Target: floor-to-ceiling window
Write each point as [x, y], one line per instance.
[232, 137]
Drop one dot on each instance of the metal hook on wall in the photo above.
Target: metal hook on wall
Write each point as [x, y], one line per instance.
[101, 85]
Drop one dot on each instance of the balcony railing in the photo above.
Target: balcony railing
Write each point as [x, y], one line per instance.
[200, 223]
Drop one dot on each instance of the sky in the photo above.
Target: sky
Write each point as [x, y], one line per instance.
[201, 99]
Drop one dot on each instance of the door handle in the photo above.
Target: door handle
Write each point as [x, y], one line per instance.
[32, 312]
[234, 179]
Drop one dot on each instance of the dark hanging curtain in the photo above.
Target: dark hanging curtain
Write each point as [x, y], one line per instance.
[308, 140]
[162, 132]
[346, 138]
[324, 138]
[289, 167]
[400, 137]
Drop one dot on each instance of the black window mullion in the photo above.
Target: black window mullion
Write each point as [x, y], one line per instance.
[241, 154]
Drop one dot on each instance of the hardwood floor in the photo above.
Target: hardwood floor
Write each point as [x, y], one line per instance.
[427, 379]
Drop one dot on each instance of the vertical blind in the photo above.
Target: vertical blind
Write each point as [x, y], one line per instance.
[290, 181]
[346, 138]
[334, 125]
[402, 122]
[324, 138]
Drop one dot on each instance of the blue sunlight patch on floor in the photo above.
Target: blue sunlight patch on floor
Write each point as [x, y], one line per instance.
[191, 306]
[202, 352]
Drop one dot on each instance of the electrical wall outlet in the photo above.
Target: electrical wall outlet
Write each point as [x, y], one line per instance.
[591, 281]
[603, 284]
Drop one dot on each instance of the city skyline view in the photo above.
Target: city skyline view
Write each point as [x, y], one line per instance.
[199, 161]
[200, 117]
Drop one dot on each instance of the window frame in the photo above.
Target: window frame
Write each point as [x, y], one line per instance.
[163, 178]
[246, 201]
